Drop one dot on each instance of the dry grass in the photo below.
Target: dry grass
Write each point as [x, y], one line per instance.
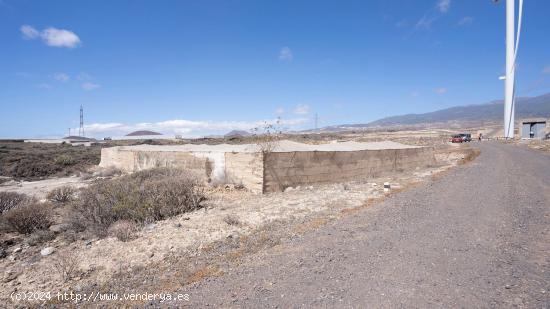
[469, 156]
[204, 272]
[310, 225]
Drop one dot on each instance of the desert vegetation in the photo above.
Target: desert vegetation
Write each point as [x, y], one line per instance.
[9, 200]
[62, 194]
[142, 197]
[267, 136]
[116, 207]
[33, 161]
[28, 216]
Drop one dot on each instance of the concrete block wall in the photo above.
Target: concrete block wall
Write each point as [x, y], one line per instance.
[132, 161]
[289, 169]
[113, 157]
[275, 171]
[246, 169]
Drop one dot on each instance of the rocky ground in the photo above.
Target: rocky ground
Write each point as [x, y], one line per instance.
[540, 145]
[200, 244]
[478, 237]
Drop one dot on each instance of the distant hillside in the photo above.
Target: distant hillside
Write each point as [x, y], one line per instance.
[470, 114]
[525, 108]
[237, 133]
[143, 133]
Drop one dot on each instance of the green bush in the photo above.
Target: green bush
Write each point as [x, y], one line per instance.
[144, 196]
[29, 217]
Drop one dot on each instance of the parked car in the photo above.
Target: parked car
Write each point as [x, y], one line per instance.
[457, 139]
[466, 137]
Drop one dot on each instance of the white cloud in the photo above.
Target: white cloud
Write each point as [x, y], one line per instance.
[189, 128]
[62, 77]
[441, 90]
[425, 23]
[44, 86]
[88, 86]
[29, 32]
[546, 70]
[301, 109]
[466, 21]
[52, 36]
[83, 76]
[285, 54]
[60, 38]
[443, 5]
[280, 111]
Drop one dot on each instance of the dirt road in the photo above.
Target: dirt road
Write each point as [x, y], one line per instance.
[477, 237]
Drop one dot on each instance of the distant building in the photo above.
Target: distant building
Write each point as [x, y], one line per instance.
[74, 138]
[71, 140]
[535, 128]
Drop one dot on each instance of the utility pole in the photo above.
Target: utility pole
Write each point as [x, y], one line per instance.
[316, 121]
[81, 129]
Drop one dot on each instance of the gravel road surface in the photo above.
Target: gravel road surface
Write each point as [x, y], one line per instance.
[476, 238]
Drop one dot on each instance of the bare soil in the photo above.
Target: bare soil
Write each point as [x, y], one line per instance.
[189, 248]
[477, 237]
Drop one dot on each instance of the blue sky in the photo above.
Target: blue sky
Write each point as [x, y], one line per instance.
[206, 67]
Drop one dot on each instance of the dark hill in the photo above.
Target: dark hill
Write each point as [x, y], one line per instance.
[143, 133]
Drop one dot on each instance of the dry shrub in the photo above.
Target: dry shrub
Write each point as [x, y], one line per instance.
[232, 220]
[9, 200]
[29, 217]
[39, 237]
[145, 196]
[66, 264]
[86, 176]
[64, 160]
[123, 230]
[470, 155]
[267, 136]
[109, 172]
[31, 161]
[62, 194]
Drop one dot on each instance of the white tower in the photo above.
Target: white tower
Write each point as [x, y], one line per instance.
[510, 70]
[512, 42]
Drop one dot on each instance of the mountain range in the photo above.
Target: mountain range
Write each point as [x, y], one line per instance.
[526, 107]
